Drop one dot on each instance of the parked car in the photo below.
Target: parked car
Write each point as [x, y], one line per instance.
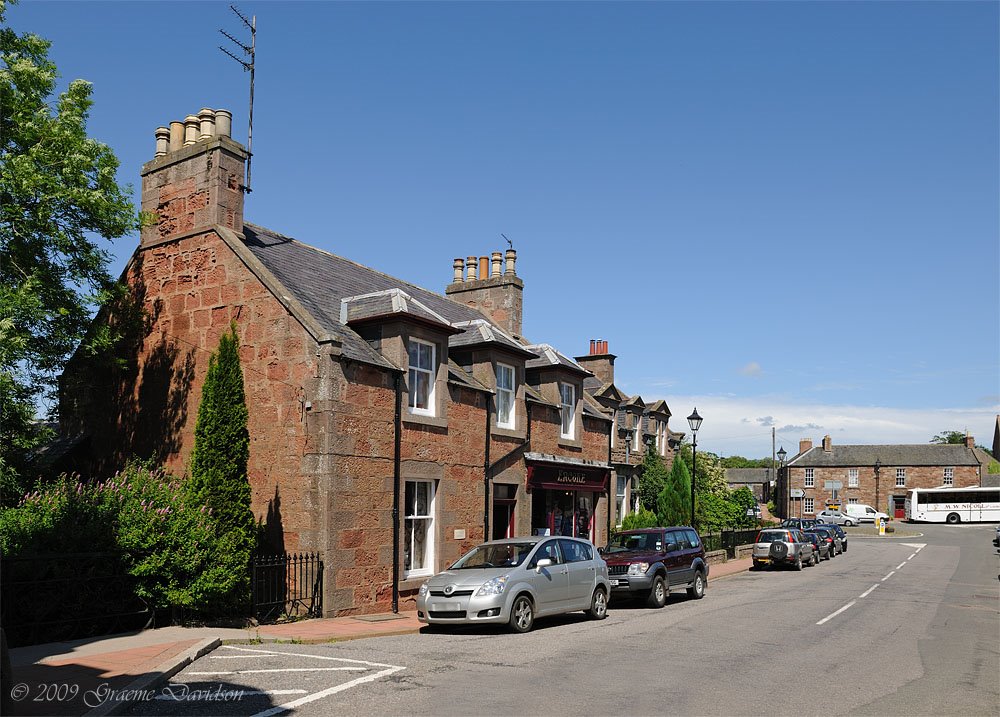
[650, 562]
[820, 547]
[517, 580]
[800, 523]
[783, 546]
[996, 538]
[839, 531]
[864, 513]
[831, 538]
[836, 517]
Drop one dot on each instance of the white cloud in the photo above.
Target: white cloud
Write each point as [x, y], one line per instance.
[743, 426]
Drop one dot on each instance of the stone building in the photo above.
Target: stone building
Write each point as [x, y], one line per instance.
[391, 428]
[877, 475]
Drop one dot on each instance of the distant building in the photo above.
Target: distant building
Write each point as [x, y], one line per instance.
[758, 480]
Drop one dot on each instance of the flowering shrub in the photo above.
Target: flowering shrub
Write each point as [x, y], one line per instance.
[176, 552]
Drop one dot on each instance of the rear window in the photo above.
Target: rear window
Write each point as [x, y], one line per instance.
[771, 536]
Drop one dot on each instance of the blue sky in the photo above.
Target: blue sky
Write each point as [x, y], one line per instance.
[785, 214]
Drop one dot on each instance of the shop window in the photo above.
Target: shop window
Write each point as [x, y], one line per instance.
[505, 396]
[422, 365]
[418, 549]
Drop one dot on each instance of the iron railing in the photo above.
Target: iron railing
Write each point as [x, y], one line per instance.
[287, 586]
[51, 598]
[728, 539]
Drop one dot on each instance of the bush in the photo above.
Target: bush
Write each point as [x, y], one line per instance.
[175, 549]
[642, 519]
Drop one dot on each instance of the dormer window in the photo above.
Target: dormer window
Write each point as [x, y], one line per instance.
[505, 396]
[637, 433]
[422, 363]
[567, 408]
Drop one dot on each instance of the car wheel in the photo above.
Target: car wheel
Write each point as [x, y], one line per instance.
[813, 560]
[953, 518]
[598, 605]
[798, 562]
[849, 523]
[657, 594]
[697, 589]
[522, 614]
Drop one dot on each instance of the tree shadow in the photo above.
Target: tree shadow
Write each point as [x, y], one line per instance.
[271, 532]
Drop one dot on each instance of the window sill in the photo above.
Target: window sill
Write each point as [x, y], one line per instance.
[508, 432]
[570, 442]
[423, 420]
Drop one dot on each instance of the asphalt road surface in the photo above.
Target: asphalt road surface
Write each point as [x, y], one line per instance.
[896, 626]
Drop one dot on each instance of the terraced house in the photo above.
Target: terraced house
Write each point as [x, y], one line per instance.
[392, 428]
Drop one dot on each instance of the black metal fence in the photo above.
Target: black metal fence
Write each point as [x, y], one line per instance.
[64, 597]
[728, 539]
[287, 586]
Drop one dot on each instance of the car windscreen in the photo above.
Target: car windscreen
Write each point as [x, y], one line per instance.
[634, 541]
[771, 536]
[494, 556]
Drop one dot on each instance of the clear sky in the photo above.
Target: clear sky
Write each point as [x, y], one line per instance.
[783, 213]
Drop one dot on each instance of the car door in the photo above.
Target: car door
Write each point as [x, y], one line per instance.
[673, 561]
[581, 573]
[550, 583]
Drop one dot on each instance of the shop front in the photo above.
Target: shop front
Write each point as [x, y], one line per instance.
[564, 497]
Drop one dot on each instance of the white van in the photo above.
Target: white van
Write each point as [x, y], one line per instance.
[864, 513]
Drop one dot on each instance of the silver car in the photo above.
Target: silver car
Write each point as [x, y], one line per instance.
[783, 546]
[836, 518]
[516, 580]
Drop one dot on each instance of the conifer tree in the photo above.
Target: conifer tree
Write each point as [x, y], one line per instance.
[654, 478]
[679, 507]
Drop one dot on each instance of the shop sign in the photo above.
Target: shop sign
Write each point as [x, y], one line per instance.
[583, 478]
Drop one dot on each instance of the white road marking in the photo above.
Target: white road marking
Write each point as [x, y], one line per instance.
[283, 669]
[834, 614]
[918, 546]
[912, 556]
[901, 565]
[868, 592]
[247, 693]
[888, 576]
[244, 657]
[302, 654]
[326, 693]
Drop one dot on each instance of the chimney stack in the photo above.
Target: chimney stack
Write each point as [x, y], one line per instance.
[805, 444]
[827, 444]
[599, 362]
[497, 295]
[970, 442]
[195, 180]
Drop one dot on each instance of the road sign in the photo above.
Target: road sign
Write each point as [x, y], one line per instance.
[833, 484]
[797, 493]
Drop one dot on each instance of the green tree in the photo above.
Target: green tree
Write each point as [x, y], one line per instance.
[674, 504]
[743, 500]
[955, 438]
[58, 190]
[640, 519]
[741, 462]
[221, 450]
[653, 479]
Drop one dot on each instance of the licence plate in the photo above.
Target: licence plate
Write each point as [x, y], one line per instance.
[446, 607]
[614, 582]
[763, 560]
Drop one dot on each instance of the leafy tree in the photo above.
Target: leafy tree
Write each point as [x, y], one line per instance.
[642, 518]
[221, 451]
[743, 500]
[57, 191]
[710, 476]
[955, 438]
[674, 502]
[653, 480]
[714, 511]
[741, 462]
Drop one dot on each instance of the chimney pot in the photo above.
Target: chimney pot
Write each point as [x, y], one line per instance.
[162, 141]
[593, 347]
[223, 123]
[511, 262]
[191, 126]
[457, 267]
[484, 267]
[496, 259]
[470, 268]
[176, 136]
[206, 120]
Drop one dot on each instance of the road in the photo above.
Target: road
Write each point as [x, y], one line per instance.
[896, 626]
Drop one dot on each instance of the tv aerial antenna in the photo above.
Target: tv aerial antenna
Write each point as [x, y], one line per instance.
[509, 242]
[248, 66]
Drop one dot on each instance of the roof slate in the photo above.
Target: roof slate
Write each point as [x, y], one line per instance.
[889, 455]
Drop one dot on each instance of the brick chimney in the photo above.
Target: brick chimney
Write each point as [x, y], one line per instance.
[492, 286]
[805, 444]
[599, 362]
[195, 179]
[970, 442]
[827, 444]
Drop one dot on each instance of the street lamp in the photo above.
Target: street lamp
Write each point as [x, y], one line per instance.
[782, 453]
[878, 469]
[694, 421]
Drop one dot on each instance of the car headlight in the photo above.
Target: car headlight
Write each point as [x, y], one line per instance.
[423, 589]
[493, 587]
[638, 568]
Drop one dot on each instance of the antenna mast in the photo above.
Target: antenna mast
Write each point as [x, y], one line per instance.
[249, 51]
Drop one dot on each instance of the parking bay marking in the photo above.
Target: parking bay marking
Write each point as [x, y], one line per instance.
[282, 669]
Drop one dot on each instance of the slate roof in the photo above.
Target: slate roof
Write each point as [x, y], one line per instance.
[480, 331]
[549, 356]
[932, 454]
[748, 475]
[391, 302]
[320, 281]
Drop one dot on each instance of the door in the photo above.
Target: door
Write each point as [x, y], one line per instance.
[581, 573]
[504, 502]
[551, 583]
[673, 561]
[899, 506]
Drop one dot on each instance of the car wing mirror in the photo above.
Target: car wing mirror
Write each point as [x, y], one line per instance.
[543, 563]
[600, 551]
[671, 547]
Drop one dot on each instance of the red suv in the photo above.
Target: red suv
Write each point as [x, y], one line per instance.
[651, 562]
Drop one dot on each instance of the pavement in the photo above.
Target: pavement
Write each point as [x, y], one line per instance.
[105, 675]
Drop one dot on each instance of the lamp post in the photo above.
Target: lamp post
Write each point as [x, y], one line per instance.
[694, 421]
[783, 476]
[878, 469]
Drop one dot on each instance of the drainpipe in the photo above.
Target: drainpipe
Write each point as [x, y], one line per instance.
[611, 427]
[486, 476]
[397, 440]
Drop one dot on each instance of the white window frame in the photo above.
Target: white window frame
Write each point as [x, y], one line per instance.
[852, 501]
[621, 503]
[949, 476]
[508, 392]
[852, 477]
[810, 479]
[567, 410]
[637, 433]
[900, 477]
[431, 374]
[808, 505]
[410, 524]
